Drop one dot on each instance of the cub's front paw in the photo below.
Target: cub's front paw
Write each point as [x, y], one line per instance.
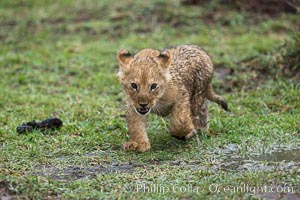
[143, 146]
[130, 146]
[134, 146]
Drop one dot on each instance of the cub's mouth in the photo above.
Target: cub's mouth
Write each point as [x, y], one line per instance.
[143, 111]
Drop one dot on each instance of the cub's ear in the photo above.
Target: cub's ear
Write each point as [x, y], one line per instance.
[164, 58]
[124, 57]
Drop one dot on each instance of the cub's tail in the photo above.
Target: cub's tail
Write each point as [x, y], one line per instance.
[212, 96]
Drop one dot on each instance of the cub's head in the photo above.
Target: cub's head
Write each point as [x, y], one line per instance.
[144, 77]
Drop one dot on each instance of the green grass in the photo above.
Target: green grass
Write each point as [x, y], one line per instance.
[57, 58]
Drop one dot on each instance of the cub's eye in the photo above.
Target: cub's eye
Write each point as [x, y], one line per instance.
[153, 86]
[134, 86]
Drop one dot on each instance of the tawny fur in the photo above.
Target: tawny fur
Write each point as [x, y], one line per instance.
[182, 76]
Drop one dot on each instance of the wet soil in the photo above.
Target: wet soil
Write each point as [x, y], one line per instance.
[278, 196]
[221, 72]
[227, 159]
[277, 159]
[289, 155]
[5, 193]
[76, 172]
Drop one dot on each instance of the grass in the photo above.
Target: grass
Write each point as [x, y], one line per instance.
[58, 59]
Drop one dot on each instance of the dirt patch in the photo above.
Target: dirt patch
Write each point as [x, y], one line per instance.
[253, 71]
[256, 11]
[227, 78]
[75, 173]
[284, 61]
[266, 7]
[5, 193]
[222, 72]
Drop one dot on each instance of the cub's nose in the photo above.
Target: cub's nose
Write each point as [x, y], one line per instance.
[143, 104]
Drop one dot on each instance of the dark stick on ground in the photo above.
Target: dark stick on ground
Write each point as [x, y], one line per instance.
[47, 124]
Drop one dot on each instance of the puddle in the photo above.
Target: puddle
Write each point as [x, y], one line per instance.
[280, 155]
[277, 159]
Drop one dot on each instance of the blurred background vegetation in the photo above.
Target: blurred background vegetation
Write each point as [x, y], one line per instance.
[57, 58]
[259, 37]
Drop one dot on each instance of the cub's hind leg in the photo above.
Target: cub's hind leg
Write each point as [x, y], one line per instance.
[199, 111]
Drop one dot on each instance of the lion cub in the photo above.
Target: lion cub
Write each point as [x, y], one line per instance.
[174, 81]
